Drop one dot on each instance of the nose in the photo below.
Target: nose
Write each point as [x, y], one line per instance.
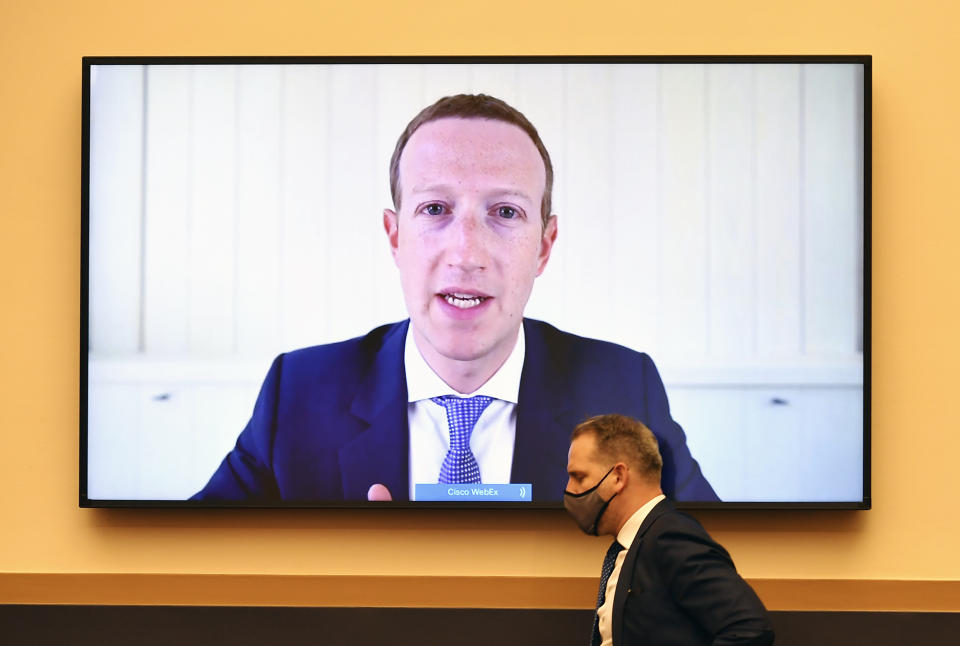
[467, 243]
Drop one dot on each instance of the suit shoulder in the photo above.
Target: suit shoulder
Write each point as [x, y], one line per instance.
[341, 359]
[675, 535]
[671, 519]
[584, 350]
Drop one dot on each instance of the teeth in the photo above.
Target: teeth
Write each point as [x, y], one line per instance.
[463, 301]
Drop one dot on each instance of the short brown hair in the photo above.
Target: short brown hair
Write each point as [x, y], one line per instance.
[473, 106]
[622, 438]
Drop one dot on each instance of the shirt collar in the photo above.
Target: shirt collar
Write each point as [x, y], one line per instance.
[630, 528]
[423, 382]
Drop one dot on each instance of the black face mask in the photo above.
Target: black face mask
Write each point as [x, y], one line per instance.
[587, 507]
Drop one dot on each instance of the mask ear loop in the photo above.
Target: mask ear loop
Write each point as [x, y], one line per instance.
[596, 521]
[594, 487]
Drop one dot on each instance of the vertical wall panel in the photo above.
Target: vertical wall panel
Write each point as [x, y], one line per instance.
[683, 236]
[166, 432]
[496, 80]
[778, 226]
[304, 186]
[212, 244]
[114, 426]
[843, 407]
[116, 208]
[589, 218]
[731, 297]
[259, 204]
[831, 208]
[169, 173]
[775, 439]
[353, 228]
[635, 226]
[444, 80]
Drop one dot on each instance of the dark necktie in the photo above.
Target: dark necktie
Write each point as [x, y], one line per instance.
[608, 562]
[459, 465]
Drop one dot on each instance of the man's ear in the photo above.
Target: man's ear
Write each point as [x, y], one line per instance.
[622, 474]
[547, 239]
[390, 226]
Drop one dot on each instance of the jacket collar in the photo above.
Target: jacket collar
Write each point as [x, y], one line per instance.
[544, 414]
[380, 454]
[624, 582]
[382, 450]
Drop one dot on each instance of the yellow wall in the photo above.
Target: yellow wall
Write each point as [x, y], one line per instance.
[913, 530]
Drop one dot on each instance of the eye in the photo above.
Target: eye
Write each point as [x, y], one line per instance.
[508, 212]
[434, 208]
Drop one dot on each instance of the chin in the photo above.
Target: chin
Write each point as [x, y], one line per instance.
[464, 343]
[605, 527]
[462, 352]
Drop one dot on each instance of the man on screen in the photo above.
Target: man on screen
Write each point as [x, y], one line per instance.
[466, 390]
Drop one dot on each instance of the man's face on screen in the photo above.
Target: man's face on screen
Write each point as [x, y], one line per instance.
[467, 237]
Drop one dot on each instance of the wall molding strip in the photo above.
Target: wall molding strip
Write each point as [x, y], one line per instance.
[439, 591]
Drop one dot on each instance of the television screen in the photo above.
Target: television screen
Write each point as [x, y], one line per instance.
[371, 282]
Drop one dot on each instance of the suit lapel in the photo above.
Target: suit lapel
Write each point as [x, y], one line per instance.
[629, 565]
[380, 454]
[544, 419]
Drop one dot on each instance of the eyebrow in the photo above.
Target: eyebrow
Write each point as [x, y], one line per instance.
[442, 188]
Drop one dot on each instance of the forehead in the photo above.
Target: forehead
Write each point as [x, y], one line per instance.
[583, 450]
[476, 147]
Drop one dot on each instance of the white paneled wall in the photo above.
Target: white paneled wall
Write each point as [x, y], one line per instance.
[776, 199]
[116, 211]
[708, 214]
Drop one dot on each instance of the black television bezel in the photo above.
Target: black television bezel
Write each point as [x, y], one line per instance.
[89, 61]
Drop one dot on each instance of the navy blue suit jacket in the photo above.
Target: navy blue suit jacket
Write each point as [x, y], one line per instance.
[331, 420]
[679, 587]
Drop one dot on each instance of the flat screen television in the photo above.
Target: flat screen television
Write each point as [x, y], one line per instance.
[251, 308]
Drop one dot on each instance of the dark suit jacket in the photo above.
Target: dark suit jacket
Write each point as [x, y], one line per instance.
[331, 420]
[679, 587]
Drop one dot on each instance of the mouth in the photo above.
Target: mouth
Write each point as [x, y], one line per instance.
[462, 300]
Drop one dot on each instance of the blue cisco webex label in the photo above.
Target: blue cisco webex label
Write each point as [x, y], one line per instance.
[501, 492]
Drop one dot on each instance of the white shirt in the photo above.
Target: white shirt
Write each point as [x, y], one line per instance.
[493, 436]
[625, 537]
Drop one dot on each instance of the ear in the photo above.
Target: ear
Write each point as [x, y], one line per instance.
[391, 227]
[621, 475]
[546, 243]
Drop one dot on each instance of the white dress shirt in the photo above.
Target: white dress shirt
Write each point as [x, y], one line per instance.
[493, 436]
[625, 537]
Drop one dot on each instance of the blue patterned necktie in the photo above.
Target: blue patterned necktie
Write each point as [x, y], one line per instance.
[608, 562]
[460, 466]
